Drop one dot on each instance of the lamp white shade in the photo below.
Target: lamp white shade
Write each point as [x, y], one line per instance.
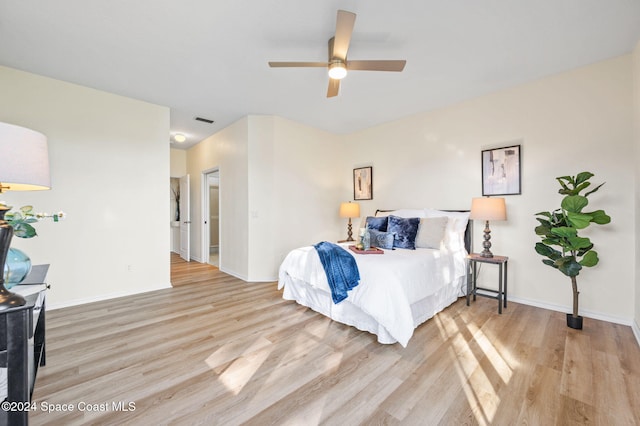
[488, 208]
[24, 159]
[350, 210]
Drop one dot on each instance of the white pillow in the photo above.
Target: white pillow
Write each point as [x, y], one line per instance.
[431, 232]
[456, 225]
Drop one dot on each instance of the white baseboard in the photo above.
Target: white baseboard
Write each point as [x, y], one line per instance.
[584, 312]
[233, 274]
[636, 330]
[75, 302]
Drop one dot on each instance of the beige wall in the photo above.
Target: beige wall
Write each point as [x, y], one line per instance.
[227, 150]
[568, 123]
[307, 188]
[178, 163]
[109, 158]
[276, 179]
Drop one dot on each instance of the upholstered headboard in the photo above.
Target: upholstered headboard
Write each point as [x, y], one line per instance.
[468, 232]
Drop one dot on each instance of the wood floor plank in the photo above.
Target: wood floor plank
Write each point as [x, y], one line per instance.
[217, 350]
[577, 371]
[540, 406]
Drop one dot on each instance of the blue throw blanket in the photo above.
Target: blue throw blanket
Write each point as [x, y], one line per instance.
[340, 267]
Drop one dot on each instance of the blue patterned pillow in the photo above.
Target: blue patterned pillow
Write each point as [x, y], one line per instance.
[405, 231]
[377, 223]
[383, 240]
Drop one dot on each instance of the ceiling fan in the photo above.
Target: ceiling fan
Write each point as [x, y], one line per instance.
[338, 63]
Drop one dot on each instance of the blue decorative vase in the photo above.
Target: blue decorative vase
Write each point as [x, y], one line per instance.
[16, 267]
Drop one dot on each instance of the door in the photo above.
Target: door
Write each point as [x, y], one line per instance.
[210, 214]
[185, 219]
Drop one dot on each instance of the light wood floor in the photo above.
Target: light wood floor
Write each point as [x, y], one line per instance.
[221, 351]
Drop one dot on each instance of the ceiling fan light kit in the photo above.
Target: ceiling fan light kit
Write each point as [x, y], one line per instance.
[337, 63]
[337, 70]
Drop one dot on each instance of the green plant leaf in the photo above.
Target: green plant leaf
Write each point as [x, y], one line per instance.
[583, 250]
[550, 263]
[564, 188]
[568, 266]
[574, 203]
[590, 259]
[547, 251]
[577, 243]
[582, 177]
[582, 187]
[579, 220]
[544, 229]
[24, 230]
[553, 242]
[600, 217]
[564, 231]
[544, 222]
[545, 214]
[594, 189]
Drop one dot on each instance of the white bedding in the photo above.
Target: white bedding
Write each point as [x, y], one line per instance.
[398, 290]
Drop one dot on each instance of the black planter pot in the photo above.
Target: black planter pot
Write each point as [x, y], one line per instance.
[574, 322]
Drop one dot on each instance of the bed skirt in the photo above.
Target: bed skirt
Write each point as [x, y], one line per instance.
[347, 313]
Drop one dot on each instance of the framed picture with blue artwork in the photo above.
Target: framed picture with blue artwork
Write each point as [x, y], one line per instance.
[501, 171]
[363, 183]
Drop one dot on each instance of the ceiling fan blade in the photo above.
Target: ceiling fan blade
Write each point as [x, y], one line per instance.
[334, 88]
[376, 65]
[344, 29]
[298, 64]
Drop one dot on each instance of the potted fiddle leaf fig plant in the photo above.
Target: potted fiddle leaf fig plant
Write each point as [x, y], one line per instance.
[561, 245]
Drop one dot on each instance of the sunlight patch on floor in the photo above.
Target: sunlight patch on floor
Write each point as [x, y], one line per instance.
[502, 366]
[478, 382]
[238, 374]
[231, 351]
[318, 329]
[312, 414]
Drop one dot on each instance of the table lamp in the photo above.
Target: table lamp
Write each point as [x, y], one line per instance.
[488, 208]
[350, 210]
[24, 166]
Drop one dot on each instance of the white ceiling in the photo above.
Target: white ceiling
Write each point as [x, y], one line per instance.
[209, 58]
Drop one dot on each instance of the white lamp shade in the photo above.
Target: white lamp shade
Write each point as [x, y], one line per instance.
[488, 208]
[350, 210]
[24, 159]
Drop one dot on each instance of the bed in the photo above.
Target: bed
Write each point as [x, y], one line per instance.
[398, 290]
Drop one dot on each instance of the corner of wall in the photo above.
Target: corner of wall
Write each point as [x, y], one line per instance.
[636, 330]
[636, 132]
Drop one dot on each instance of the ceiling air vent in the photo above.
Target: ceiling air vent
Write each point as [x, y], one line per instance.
[204, 120]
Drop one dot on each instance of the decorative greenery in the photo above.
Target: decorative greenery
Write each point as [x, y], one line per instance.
[21, 220]
[560, 229]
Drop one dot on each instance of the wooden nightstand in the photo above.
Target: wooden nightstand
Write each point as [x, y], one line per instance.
[472, 276]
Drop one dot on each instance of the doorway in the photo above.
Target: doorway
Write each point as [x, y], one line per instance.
[211, 213]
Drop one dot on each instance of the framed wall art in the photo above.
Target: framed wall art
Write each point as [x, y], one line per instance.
[501, 171]
[363, 183]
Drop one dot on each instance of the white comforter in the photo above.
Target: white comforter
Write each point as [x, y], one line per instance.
[389, 283]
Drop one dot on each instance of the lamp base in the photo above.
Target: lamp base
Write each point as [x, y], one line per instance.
[9, 300]
[349, 232]
[486, 243]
